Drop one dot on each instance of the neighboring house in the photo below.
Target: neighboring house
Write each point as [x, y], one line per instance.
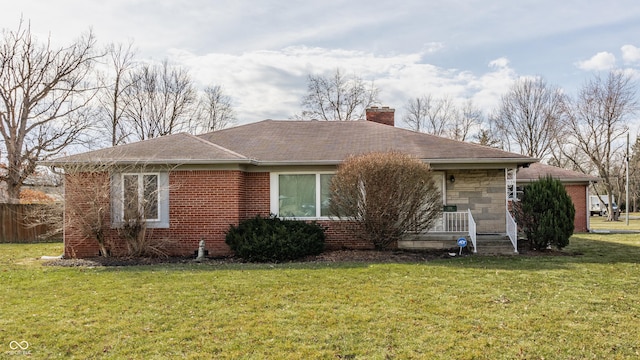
[199, 185]
[576, 184]
[35, 189]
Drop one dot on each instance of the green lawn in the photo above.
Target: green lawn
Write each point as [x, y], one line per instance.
[601, 223]
[551, 307]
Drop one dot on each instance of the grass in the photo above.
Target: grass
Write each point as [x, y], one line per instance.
[601, 223]
[568, 307]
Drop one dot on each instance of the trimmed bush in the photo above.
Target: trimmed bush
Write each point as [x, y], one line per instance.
[272, 239]
[545, 214]
[388, 194]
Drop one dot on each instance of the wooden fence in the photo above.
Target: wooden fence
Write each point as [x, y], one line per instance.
[14, 227]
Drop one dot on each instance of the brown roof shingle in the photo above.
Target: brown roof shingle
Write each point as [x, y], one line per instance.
[272, 141]
[537, 170]
[171, 149]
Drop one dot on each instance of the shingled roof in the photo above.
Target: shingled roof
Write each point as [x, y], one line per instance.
[283, 142]
[331, 142]
[171, 149]
[537, 170]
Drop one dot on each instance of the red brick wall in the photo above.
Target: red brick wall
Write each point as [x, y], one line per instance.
[202, 205]
[578, 194]
[343, 235]
[85, 194]
[256, 195]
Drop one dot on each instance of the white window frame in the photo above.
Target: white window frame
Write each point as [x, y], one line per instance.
[118, 193]
[274, 188]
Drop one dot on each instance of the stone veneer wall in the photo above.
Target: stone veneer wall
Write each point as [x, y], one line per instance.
[484, 193]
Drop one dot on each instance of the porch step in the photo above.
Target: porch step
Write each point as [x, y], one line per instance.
[432, 240]
[488, 244]
[494, 244]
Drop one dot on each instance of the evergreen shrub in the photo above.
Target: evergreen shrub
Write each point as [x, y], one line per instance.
[271, 239]
[545, 214]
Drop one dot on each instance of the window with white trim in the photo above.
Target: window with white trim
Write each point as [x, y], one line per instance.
[140, 194]
[300, 195]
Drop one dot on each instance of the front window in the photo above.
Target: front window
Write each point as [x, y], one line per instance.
[325, 193]
[301, 195]
[140, 196]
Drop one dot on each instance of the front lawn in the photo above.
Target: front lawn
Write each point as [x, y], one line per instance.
[476, 307]
[601, 223]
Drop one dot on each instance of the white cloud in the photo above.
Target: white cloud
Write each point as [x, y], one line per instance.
[499, 63]
[270, 84]
[630, 54]
[600, 61]
[262, 53]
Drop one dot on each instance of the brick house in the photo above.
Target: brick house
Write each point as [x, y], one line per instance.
[199, 185]
[576, 184]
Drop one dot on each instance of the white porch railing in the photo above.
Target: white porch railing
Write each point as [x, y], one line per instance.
[455, 222]
[459, 222]
[472, 231]
[512, 231]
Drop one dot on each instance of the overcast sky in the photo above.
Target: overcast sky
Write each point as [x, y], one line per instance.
[262, 51]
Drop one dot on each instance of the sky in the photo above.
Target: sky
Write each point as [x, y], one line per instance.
[261, 52]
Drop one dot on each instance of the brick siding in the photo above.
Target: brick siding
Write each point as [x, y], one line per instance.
[578, 194]
[203, 204]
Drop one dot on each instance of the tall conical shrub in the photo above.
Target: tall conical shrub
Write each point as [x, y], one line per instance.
[545, 214]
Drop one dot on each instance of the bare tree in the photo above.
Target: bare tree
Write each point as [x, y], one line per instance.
[160, 101]
[568, 156]
[466, 118]
[338, 97]
[416, 113]
[215, 111]
[529, 116]
[114, 86]
[486, 137]
[42, 93]
[430, 114]
[598, 120]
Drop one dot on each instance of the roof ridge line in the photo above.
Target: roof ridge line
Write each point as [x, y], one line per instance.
[217, 146]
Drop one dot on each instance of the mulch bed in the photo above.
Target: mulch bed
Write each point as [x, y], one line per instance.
[370, 256]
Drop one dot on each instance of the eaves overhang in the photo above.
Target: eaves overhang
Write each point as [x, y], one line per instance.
[155, 162]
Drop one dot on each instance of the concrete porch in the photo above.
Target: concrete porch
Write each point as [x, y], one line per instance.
[488, 244]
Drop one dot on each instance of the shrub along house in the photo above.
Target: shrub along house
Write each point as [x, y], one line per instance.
[196, 186]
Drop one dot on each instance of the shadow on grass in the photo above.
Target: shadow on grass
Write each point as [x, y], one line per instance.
[583, 249]
[208, 266]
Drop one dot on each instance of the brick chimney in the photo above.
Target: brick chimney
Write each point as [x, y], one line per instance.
[383, 115]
